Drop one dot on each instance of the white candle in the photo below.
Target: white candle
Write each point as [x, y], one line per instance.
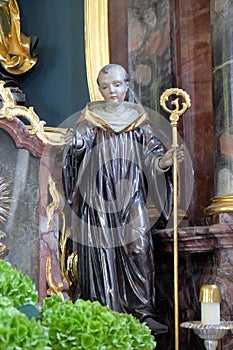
[210, 313]
[210, 299]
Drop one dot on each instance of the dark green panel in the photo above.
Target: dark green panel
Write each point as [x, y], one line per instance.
[57, 85]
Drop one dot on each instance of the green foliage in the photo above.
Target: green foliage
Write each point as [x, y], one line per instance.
[16, 286]
[17, 332]
[62, 325]
[89, 325]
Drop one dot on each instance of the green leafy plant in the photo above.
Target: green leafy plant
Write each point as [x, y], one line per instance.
[89, 325]
[18, 332]
[83, 325]
[16, 286]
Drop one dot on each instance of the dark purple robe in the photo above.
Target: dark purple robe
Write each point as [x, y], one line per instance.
[109, 188]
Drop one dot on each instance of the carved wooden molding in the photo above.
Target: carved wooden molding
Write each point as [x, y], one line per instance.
[11, 112]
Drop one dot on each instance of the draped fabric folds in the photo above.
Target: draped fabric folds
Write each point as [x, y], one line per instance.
[108, 193]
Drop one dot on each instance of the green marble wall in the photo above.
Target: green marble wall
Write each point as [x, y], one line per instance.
[57, 85]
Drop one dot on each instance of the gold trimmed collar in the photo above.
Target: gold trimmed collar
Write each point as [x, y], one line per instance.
[94, 119]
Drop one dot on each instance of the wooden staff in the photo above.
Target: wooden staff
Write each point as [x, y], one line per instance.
[174, 118]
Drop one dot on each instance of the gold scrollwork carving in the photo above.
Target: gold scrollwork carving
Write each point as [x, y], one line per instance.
[68, 261]
[64, 235]
[54, 205]
[176, 112]
[54, 288]
[68, 264]
[9, 110]
[5, 200]
[72, 267]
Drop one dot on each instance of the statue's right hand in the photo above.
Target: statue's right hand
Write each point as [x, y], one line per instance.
[73, 138]
[68, 136]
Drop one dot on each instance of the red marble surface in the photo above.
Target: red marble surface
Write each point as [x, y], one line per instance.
[20, 134]
[50, 167]
[164, 36]
[204, 235]
[194, 75]
[118, 32]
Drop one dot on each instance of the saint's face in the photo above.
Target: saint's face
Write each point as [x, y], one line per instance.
[112, 85]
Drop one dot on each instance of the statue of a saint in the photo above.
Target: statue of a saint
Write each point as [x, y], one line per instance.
[112, 163]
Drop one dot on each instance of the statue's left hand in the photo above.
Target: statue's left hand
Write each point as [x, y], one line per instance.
[167, 159]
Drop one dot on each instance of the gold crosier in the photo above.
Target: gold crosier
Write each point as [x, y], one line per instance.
[174, 118]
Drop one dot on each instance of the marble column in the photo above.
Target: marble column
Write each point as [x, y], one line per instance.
[222, 68]
[192, 68]
[149, 53]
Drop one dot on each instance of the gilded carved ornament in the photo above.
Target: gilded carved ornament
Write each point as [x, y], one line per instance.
[54, 288]
[51, 137]
[221, 204]
[17, 51]
[68, 265]
[9, 110]
[54, 205]
[5, 200]
[177, 111]
[67, 262]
